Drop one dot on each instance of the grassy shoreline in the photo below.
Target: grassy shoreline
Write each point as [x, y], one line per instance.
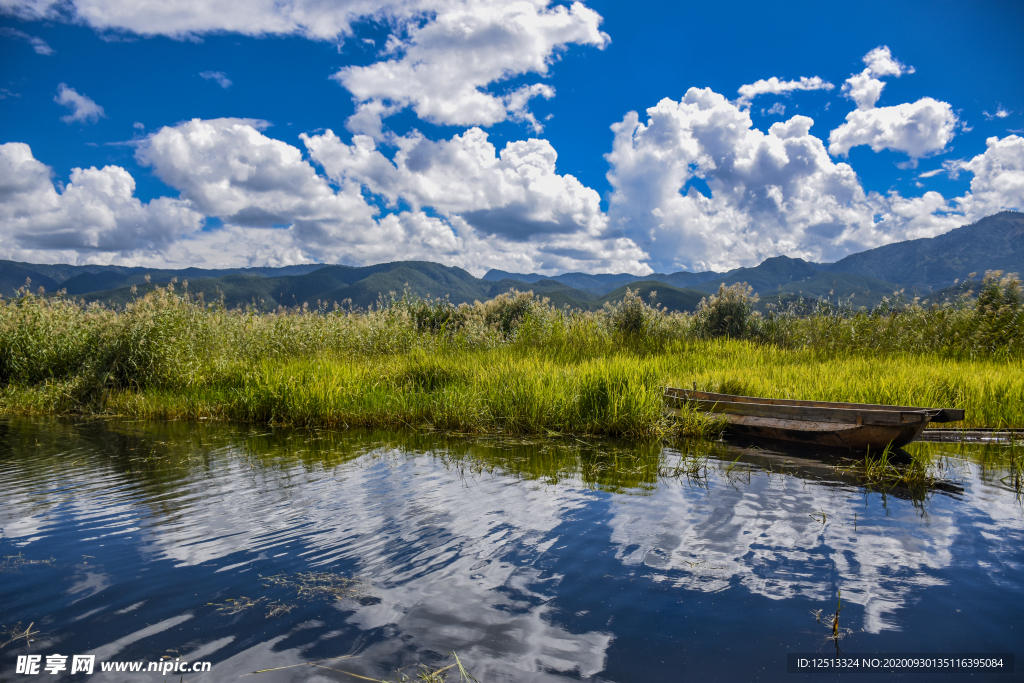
[522, 392]
[511, 365]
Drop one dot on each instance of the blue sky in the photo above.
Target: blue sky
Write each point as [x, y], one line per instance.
[200, 134]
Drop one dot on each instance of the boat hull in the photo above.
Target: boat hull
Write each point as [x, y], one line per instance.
[852, 426]
[825, 434]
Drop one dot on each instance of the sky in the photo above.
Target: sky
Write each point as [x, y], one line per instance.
[528, 136]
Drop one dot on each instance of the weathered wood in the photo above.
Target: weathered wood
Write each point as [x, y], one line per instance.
[853, 437]
[809, 414]
[856, 426]
[941, 414]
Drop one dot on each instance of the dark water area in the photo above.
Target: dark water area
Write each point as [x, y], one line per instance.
[533, 560]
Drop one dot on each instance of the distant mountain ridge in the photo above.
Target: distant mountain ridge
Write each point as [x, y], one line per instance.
[993, 243]
[603, 283]
[91, 278]
[922, 266]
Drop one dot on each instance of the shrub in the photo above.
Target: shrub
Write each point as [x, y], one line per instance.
[631, 316]
[161, 340]
[1000, 311]
[43, 338]
[728, 313]
[506, 311]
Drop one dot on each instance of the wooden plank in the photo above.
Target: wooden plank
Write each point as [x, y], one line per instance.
[811, 414]
[940, 415]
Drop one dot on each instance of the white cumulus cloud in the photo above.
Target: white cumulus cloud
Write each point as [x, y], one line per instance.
[182, 18]
[880, 62]
[918, 129]
[998, 181]
[511, 211]
[771, 193]
[774, 86]
[444, 66]
[229, 169]
[514, 199]
[516, 193]
[865, 88]
[442, 57]
[774, 193]
[82, 107]
[95, 213]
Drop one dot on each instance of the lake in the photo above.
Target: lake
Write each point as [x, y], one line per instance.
[258, 549]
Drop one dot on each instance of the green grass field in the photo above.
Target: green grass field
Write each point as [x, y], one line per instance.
[517, 391]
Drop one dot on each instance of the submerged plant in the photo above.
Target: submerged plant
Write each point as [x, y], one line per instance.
[312, 585]
[16, 633]
[10, 563]
[232, 606]
[881, 469]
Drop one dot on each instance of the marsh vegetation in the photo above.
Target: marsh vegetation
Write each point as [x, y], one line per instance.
[514, 364]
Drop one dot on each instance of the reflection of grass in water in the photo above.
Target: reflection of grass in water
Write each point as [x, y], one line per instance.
[11, 563]
[693, 461]
[1001, 462]
[601, 464]
[1016, 476]
[1013, 463]
[164, 454]
[693, 466]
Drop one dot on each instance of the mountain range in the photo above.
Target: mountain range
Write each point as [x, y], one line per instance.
[921, 267]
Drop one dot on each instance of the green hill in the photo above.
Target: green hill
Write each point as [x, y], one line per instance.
[861, 291]
[603, 283]
[920, 266]
[770, 275]
[361, 286]
[13, 275]
[993, 243]
[79, 280]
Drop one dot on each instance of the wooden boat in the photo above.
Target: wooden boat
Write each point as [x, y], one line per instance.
[854, 426]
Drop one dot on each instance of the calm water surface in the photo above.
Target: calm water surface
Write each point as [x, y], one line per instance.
[533, 560]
